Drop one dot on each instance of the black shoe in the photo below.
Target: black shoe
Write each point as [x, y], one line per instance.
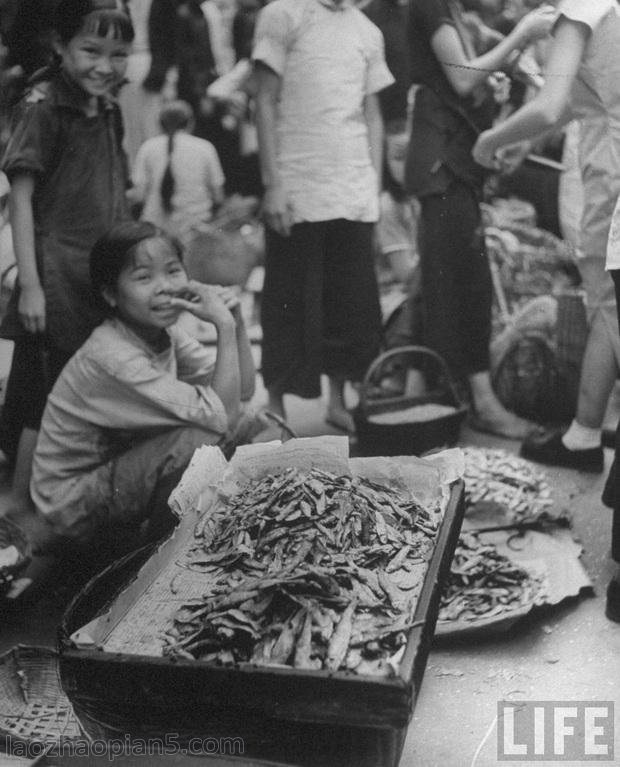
[550, 449]
[612, 608]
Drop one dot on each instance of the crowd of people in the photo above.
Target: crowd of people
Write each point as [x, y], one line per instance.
[366, 129]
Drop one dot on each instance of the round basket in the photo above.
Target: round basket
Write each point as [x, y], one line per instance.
[33, 705]
[407, 437]
[12, 535]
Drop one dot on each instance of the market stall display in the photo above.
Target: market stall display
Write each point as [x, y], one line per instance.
[309, 569]
[485, 584]
[515, 551]
[113, 660]
[516, 489]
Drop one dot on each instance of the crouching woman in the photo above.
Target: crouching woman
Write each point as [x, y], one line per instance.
[137, 399]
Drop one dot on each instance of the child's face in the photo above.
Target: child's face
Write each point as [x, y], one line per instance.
[97, 64]
[145, 287]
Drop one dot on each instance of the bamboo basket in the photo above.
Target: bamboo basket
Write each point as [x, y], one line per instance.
[407, 438]
[33, 706]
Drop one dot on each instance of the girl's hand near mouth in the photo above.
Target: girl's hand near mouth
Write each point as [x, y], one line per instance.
[206, 303]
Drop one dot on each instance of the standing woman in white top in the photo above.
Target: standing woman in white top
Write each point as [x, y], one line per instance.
[178, 176]
[583, 81]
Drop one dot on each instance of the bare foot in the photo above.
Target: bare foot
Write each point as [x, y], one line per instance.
[505, 424]
[341, 419]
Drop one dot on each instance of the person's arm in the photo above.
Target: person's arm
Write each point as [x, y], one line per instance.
[247, 370]
[276, 208]
[139, 190]
[465, 75]
[551, 106]
[374, 121]
[226, 379]
[31, 305]
[214, 177]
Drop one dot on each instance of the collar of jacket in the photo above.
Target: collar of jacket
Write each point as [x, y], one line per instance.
[334, 6]
[54, 85]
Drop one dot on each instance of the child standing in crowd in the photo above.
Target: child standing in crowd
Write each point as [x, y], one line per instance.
[140, 395]
[178, 176]
[319, 66]
[68, 178]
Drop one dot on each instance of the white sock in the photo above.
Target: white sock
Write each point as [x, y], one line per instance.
[580, 437]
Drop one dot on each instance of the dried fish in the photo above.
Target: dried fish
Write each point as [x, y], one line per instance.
[339, 642]
[285, 643]
[517, 485]
[300, 565]
[483, 583]
[303, 649]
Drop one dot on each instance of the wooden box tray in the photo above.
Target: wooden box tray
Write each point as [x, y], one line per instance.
[309, 718]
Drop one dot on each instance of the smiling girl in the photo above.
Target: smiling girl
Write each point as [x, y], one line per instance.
[137, 399]
[68, 180]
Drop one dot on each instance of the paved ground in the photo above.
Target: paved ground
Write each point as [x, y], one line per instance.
[570, 652]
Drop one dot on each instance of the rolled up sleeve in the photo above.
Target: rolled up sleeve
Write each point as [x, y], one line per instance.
[591, 13]
[32, 144]
[378, 76]
[271, 38]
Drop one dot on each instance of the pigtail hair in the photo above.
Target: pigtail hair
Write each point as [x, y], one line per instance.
[166, 190]
[175, 116]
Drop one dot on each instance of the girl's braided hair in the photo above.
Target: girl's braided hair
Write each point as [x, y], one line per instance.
[175, 116]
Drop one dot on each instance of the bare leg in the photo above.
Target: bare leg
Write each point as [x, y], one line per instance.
[598, 376]
[337, 413]
[276, 402]
[20, 491]
[599, 371]
[491, 415]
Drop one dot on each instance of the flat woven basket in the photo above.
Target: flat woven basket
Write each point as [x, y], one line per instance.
[33, 705]
[12, 535]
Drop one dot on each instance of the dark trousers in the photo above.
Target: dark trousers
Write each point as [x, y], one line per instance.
[320, 307]
[611, 495]
[456, 280]
[35, 366]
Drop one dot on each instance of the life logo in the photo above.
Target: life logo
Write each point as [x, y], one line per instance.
[552, 730]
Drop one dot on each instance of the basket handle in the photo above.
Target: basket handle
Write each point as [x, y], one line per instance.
[399, 351]
[291, 434]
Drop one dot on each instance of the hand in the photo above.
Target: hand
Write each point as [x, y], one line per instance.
[509, 158]
[31, 308]
[277, 210]
[500, 85]
[204, 302]
[537, 24]
[230, 296]
[236, 104]
[484, 151]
